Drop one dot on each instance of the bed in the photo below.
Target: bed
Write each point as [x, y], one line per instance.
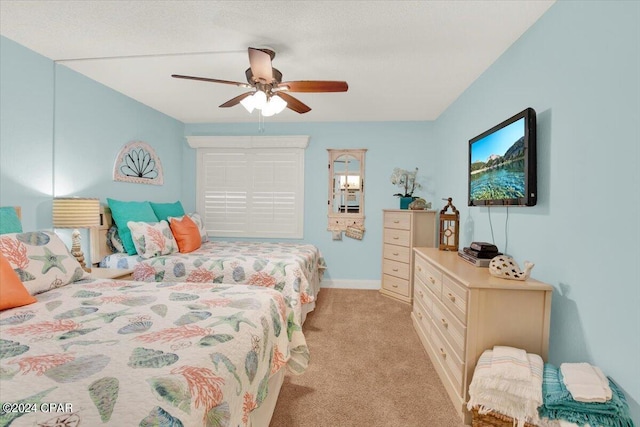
[106, 352]
[295, 269]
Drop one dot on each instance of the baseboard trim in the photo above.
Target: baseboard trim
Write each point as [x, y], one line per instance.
[350, 284]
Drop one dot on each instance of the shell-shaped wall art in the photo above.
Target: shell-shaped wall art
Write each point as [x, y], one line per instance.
[505, 267]
[137, 162]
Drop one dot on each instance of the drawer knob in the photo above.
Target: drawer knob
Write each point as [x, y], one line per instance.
[394, 286]
[420, 315]
[444, 323]
[396, 221]
[396, 254]
[432, 280]
[451, 297]
[421, 294]
[442, 353]
[419, 269]
[395, 237]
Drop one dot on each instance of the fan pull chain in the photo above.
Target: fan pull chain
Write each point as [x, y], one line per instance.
[260, 122]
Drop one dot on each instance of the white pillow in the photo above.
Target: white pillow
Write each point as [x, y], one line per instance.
[41, 260]
[152, 239]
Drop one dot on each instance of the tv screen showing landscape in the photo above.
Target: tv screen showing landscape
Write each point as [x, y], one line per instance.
[497, 172]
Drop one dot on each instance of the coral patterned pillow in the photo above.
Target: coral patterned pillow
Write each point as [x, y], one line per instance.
[152, 239]
[41, 260]
[195, 217]
[114, 242]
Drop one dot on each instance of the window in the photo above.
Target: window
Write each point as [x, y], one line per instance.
[251, 186]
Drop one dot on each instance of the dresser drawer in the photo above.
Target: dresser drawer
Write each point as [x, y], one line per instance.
[450, 327]
[397, 253]
[397, 220]
[452, 365]
[429, 275]
[424, 318]
[454, 297]
[395, 268]
[423, 294]
[396, 285]
[397, 237]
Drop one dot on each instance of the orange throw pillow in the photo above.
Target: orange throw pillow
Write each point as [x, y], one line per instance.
[186, 233]
[12, 291]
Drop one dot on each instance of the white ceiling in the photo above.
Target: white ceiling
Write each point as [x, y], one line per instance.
[403, 60]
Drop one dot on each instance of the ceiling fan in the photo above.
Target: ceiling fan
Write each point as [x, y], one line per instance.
[269, 92]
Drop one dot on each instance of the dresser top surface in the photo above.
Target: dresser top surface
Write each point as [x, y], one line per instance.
[409, 210]
[475, 277]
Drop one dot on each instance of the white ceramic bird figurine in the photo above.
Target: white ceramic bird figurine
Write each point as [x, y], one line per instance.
[505, 267]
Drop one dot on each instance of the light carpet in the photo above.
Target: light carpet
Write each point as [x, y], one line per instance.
[368, 368]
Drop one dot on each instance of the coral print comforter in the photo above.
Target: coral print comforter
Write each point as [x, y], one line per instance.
[117, 353]
[293, 269]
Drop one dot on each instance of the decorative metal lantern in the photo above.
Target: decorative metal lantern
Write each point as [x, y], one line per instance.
[449, 228]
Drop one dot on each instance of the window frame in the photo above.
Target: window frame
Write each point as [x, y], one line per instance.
[252, 146]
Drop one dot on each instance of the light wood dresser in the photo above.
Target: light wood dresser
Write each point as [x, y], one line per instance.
[460, 310]
[403, 230]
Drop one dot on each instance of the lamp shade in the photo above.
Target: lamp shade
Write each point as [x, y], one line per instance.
[76, 212]
[259, 99]
[249, 103]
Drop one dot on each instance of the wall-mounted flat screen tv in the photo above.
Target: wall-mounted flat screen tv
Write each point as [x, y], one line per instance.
[502, 163]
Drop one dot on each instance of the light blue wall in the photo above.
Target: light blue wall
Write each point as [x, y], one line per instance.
[92, 124]
[26, 133]
[389, 145]
[61, 133]
[579, 68]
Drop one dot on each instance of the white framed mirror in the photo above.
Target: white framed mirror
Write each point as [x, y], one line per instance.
[346, 188]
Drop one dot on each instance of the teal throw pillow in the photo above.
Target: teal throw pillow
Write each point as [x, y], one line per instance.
[165, 210]
[9, 221]
[123, 212]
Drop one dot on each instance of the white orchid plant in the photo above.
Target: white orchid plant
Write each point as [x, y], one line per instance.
[406, 181]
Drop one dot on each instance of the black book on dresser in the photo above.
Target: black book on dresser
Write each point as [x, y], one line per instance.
[483, 247]
[481, 254]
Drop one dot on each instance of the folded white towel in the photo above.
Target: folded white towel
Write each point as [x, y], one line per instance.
[585, 382]
[510, 363]
[518, 399]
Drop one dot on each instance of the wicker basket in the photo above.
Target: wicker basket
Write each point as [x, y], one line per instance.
[493, 419]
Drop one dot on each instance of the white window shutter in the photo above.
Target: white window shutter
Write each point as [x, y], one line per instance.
[251, 191]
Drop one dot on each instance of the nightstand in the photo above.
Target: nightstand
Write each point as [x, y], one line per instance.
[112, 273]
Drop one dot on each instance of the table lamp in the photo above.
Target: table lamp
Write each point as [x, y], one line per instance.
[76, 212]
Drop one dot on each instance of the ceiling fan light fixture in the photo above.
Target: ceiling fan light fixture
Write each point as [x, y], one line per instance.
[249, 103]
[268, 110]
[278, 103]
[259, 99]
[269, 92]
[275, 105]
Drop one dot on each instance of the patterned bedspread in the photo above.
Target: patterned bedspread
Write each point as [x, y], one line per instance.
[294, 269]
[103, 352]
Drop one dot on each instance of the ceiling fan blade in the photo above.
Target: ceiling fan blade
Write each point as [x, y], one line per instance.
[205, 79]
[260, 62]
[294, 104]
[236, 100]
[314, 86]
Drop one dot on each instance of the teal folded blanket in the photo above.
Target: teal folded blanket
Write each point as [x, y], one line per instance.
[559, 404]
